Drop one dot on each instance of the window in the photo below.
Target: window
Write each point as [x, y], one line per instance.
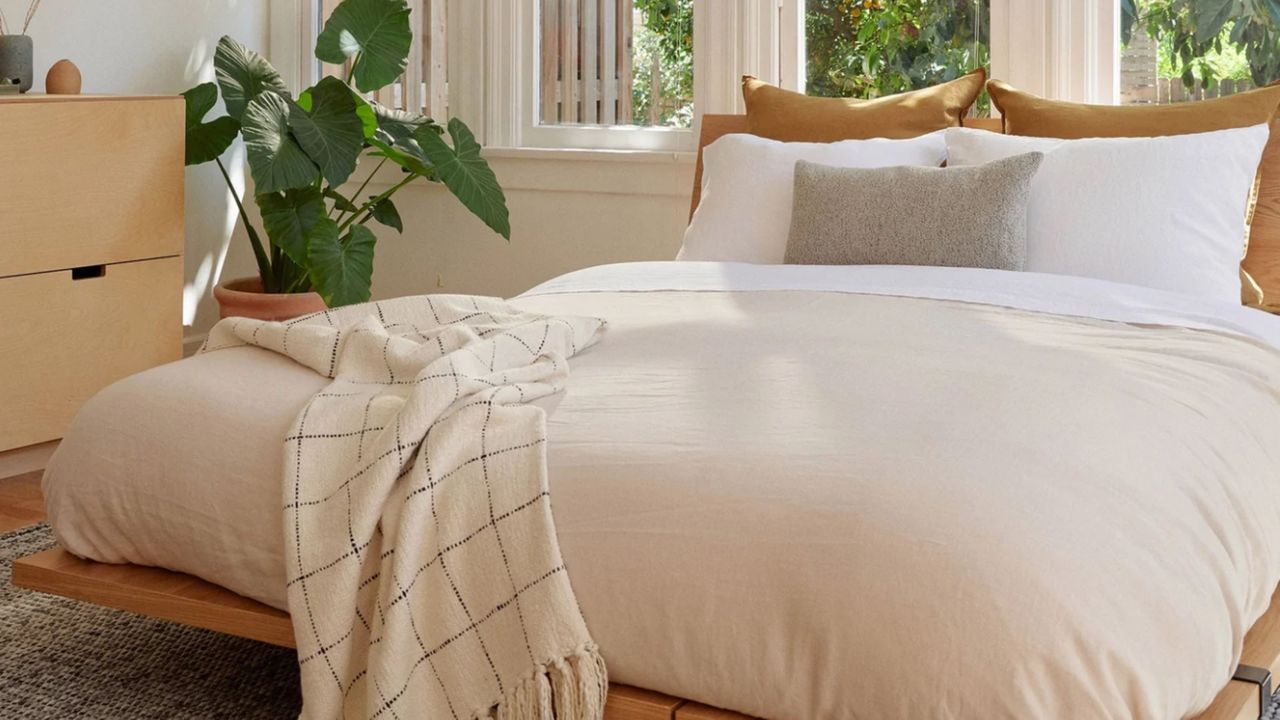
[615, 74]
[870, 48]
[616, 62]
[635, 74]
[1190, 50]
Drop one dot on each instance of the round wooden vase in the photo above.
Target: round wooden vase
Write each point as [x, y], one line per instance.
[244, 298]
[63, 79]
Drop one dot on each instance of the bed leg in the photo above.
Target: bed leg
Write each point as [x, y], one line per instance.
[1260, 677]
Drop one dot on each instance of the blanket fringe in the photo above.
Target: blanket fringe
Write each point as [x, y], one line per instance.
[569, 688]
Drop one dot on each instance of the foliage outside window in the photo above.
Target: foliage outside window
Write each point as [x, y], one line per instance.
[871, 48]
[1210, 46]
[664, 44]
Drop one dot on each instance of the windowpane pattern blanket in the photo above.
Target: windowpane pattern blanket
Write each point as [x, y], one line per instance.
[424, 575]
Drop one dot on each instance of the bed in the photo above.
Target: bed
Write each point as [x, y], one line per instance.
[722, 549]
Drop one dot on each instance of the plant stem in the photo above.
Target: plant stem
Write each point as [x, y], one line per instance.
[31, 13]
[351, 71]
[299, 283]
[366, 209]
[277, 266]
[259, 254]
[364, 185]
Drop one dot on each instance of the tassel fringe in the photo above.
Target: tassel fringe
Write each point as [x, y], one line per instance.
[569, 688]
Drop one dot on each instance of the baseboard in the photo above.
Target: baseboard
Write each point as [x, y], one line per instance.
[26, 459]
[192, 343]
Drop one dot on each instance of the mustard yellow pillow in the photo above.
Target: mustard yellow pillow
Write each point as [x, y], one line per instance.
[1027, 114]
[792, 117]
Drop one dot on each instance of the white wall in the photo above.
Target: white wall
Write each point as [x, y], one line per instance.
[158, 47]
[568, 210]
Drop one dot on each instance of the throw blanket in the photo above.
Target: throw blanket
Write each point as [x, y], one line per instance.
[424, 576]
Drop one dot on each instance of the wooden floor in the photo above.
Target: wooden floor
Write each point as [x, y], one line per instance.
[20, 502]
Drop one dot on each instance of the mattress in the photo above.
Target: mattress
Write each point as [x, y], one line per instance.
[802, 492]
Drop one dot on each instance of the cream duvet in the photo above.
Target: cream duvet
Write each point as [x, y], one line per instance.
[818, 492]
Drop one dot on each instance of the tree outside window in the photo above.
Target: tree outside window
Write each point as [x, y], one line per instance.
[871, 48]
[1176, 50]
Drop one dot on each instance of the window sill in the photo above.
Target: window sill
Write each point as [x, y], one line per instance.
[651, 173]
[592, 155]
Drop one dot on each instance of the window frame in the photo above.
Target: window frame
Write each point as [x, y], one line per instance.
[534, 134]
[1059, 49]
[1063, 49]
[729, 39]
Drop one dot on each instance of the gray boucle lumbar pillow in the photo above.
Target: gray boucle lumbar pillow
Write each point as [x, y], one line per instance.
[973, 216]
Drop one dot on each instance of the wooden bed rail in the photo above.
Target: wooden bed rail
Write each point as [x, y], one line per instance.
[187, 600]
[190, 601]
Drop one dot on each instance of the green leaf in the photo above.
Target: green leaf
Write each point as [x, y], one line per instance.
[340, 201]
[244, 75]
[386, 213]
[368, 117]
[1211, 16]
[329, 129]
[206, 141]
[396, 139]
[467, 175]
[409, 162]
[290, 218]
[1128, 17]
[341, 270]
[399, 126]
[275, 158]
[374, 32]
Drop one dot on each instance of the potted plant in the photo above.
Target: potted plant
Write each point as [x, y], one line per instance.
[302, 152]
[16, 73]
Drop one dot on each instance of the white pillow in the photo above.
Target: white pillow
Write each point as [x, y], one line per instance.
[745, 212]
[1164, 212]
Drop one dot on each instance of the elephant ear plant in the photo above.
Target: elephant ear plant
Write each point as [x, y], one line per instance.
[302, 152]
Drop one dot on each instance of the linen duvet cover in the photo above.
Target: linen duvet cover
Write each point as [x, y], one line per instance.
[817, 492]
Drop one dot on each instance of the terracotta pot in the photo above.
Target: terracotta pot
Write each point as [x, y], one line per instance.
[244, 298]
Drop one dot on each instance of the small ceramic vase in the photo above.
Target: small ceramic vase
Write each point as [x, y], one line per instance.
[16, 60]
[63, 79]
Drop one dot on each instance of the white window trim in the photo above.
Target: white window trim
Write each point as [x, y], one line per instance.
[1063, 49]
[294, 25]
[730, 40]
[530, 133]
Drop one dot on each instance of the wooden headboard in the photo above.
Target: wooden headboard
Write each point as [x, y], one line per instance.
[1263, 261]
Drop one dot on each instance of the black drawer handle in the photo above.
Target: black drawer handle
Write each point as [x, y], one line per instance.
[88, 271]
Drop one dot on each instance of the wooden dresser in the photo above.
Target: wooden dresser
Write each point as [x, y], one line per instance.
[91, 238]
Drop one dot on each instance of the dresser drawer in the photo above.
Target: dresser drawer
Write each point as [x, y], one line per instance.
[64, 339]
[97, 180]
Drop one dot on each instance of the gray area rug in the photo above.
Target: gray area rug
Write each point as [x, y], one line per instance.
[61, 659]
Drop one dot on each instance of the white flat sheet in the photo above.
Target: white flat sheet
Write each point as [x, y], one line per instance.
[837, 517]
[1037, 292]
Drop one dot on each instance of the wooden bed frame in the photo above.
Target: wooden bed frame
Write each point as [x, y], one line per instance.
[187, 600]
